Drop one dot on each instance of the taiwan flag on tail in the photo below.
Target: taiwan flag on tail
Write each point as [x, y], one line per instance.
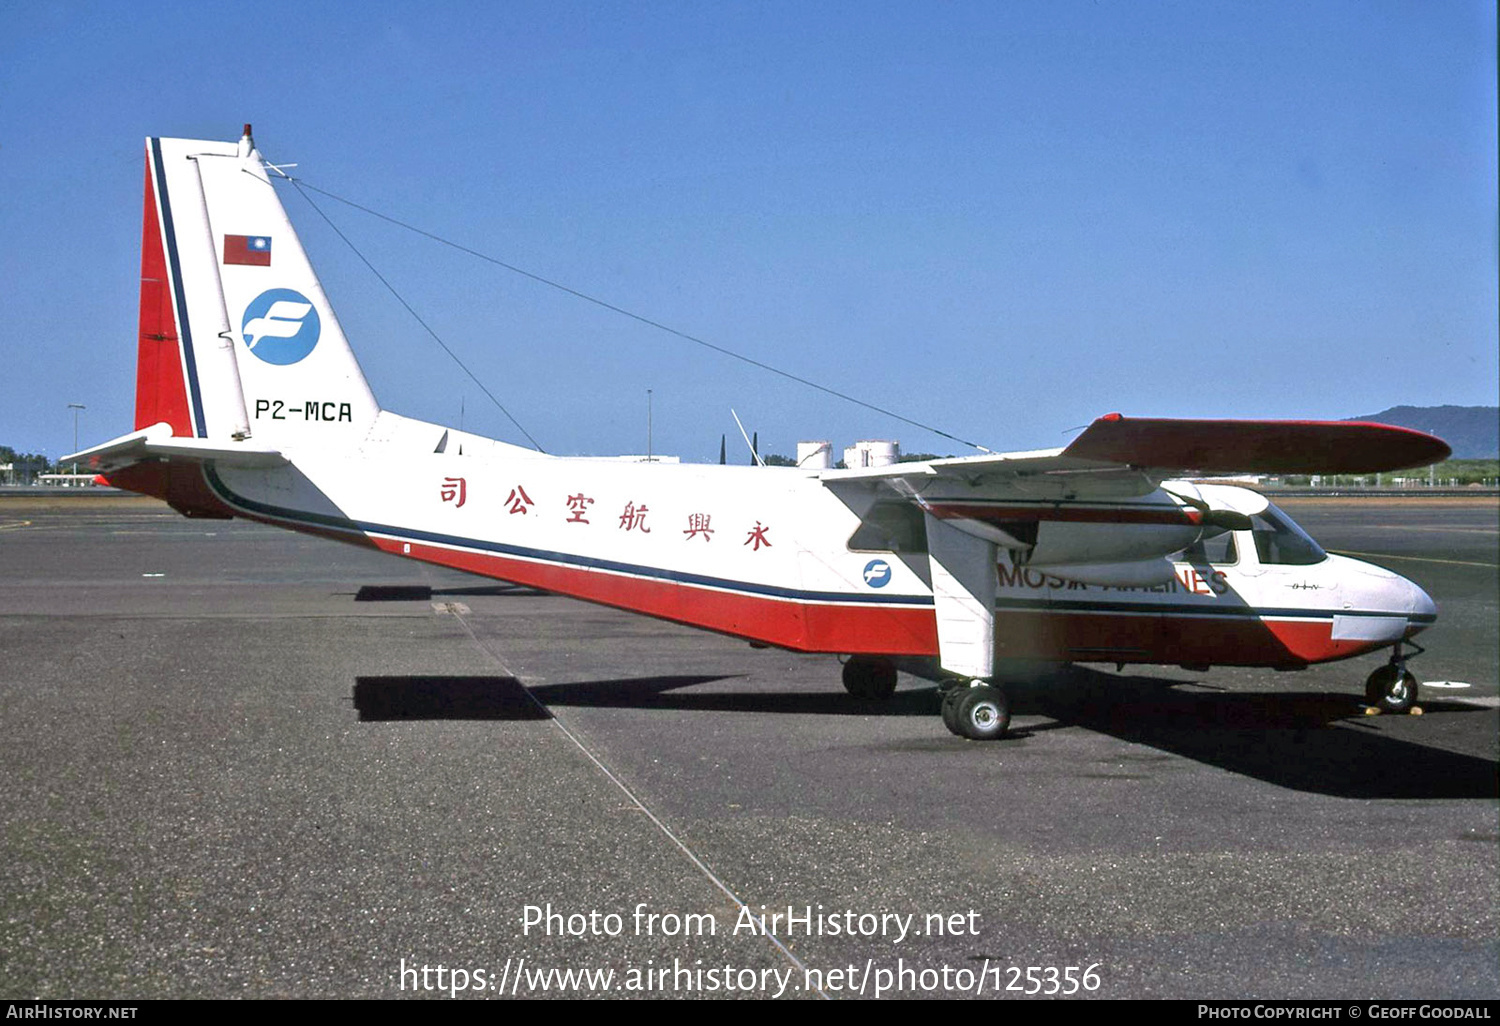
[254, 250]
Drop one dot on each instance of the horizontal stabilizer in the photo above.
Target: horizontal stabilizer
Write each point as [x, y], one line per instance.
[158, 442]
[1257, 446]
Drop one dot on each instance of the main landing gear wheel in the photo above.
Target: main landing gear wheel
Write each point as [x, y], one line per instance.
[950, 708]
[870, 677]
[980, 712]
[1392, 688]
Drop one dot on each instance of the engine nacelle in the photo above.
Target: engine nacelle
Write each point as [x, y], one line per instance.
[1129, 551]
[1104, 532]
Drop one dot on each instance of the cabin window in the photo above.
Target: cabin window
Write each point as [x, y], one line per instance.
[890, 527]
[1280, 542]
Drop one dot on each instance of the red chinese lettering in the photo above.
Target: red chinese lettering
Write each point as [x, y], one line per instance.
[634, 518]
[758, 537]
[698, 525]
[576, 506]
[519, 500]
[454, 488]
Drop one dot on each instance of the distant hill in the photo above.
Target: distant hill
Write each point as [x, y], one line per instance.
[1472, 431]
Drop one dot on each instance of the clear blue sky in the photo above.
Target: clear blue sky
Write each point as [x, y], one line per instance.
[1001, 218]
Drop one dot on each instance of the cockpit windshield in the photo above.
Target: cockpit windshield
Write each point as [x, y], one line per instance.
[1279, 541]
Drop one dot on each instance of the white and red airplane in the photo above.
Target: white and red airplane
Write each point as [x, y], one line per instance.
[249, 403]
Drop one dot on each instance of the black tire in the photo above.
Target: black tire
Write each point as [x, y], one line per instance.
[870, 677]
[983, 713]
[1391, 689]
[950, 709]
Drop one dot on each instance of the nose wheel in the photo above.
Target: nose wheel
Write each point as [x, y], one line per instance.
[1392, 688]
[978, 710]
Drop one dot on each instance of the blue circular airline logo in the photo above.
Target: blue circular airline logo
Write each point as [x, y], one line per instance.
[280, 326]
[877, 573]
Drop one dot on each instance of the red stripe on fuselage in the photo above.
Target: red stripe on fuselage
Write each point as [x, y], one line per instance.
[1145, 637]
[160, 390]
[1136, 637]
[804, 627]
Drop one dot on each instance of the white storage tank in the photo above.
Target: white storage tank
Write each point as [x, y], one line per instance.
[872, 453]
[815, 455]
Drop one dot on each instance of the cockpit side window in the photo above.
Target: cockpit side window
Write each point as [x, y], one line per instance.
[1279, 541]
[1218, 549]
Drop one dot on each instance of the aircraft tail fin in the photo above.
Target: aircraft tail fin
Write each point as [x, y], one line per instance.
[237, 339]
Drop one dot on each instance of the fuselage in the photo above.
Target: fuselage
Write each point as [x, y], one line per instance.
[775, 556]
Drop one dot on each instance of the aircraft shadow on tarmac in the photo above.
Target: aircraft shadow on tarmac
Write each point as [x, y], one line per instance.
[1306, 741]
[379, 699]
[494, 698]
[1291, 739]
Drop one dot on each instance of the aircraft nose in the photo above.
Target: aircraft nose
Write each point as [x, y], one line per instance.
[1422, 611]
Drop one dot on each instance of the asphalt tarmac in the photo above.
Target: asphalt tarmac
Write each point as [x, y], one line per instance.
[239, 762]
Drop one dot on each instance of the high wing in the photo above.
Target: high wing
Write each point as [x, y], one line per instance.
[1170, 447]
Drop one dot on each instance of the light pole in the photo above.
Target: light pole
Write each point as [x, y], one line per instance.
[76, 408]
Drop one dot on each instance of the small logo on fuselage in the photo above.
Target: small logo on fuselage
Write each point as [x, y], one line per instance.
[877, 573]
[280, 326]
